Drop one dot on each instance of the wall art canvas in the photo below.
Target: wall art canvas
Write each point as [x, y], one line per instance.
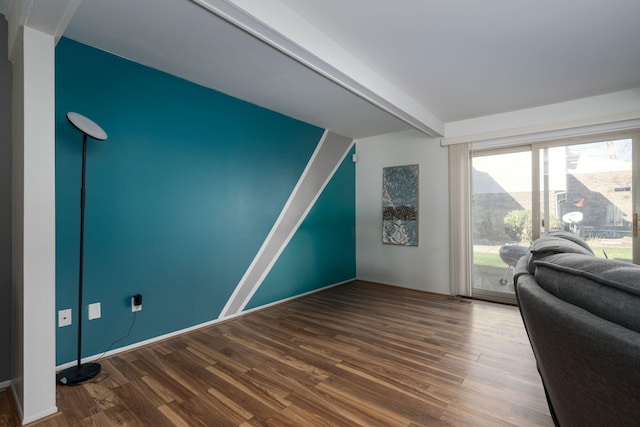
[400, 205]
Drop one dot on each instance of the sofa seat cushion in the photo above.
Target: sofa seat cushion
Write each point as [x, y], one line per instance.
[609, 289]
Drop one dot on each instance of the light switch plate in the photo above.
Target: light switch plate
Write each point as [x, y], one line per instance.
[94, 311]
[64, 317]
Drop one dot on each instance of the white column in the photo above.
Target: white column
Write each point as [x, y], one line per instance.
[33, 245]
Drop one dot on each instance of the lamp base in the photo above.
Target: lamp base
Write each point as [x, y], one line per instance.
[77, 374]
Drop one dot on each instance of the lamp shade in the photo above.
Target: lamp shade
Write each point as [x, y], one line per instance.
[86, 126]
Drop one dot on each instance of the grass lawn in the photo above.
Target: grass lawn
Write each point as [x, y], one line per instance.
[493, 260]
[490, 267]
[488, 260]
[622, 254]
[488, 270]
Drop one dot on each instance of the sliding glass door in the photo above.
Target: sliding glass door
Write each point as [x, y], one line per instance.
[585, 188]
[501, 222]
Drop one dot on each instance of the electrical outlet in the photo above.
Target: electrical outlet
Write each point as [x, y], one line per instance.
[94, 311]
[64, 317]
[136, 303]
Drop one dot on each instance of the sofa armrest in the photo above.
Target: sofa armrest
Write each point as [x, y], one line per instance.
[589, 366]
[522, 267]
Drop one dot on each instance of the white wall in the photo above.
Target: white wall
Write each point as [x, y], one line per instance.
[17, 227]
[425, 267]
[5, 207]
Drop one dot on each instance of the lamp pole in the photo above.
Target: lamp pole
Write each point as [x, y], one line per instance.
[82, 371]
[83, 200]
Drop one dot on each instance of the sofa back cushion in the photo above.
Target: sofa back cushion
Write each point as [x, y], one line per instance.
[571, 237]
[609, 289]
[550, 245]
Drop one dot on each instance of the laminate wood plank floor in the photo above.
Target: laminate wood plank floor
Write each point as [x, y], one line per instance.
[8, 412]
[356, 354]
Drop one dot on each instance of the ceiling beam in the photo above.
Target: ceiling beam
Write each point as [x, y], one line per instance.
[281, 28]
[47, 16]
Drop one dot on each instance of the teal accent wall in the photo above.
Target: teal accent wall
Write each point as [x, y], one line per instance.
[322, 251]
[179, 198]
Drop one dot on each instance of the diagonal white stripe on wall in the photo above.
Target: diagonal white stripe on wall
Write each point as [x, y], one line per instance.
[324, 162]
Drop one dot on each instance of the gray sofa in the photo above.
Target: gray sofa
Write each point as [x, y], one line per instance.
[582, 315]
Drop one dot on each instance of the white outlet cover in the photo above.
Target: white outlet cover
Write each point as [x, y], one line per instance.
[64, 317]
[94, 311]
[135, 307]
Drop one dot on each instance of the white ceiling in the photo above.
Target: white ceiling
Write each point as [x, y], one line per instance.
[374, 67]
[469, 58]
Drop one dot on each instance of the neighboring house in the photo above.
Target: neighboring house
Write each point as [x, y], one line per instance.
[597, 188]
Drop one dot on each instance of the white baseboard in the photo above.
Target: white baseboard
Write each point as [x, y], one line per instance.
[17, 402]
[396, 285]
[192, 328]
[38, 416]
[262, 307]
[10, 385]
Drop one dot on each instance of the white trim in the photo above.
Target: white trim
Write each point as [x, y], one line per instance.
[251, 24]
[271, 304]
[16, 401]
[49, 17]
[549, 131]
[191, 328]
[279, 220]
[307, 190]
[39, 415]
[535, 193]
[34, 340]
[275, 258]
[635, 195]
[5, 384]
[400, 285]
[17, 13]
[65, 18]
[139, 344]
[563, 116]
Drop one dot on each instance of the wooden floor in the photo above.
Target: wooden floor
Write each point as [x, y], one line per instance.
[357, 354]
[8, 413]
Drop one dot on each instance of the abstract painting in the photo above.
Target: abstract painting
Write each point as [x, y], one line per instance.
[400, 205]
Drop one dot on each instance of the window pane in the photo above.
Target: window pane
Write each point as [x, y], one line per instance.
[590, 194]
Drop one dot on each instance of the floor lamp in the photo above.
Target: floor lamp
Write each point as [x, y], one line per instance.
[82, 371]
